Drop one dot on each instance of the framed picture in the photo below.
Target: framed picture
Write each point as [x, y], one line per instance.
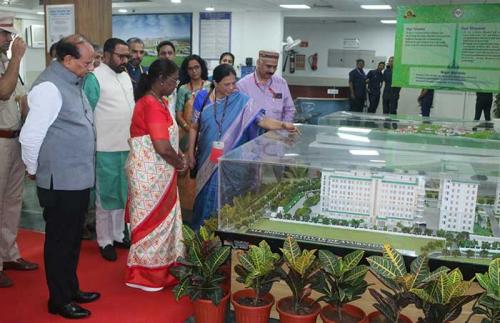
[155, 28]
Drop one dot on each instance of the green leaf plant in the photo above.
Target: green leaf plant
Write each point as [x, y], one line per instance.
[342, 280]
[442, 299]
[198, 271]
[488, 304]
[301, 270]
[391, 271]
[258, 269]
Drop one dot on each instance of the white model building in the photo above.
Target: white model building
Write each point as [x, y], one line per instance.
[376, 198]
[497, 199]
[457, 205]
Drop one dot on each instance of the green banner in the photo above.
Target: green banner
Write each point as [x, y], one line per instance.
[455, 47]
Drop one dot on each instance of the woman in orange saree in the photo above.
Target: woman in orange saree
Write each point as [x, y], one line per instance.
[154, 161]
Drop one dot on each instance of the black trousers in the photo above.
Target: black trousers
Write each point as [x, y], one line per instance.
[483, 103]
[390, 101]
[425, 108]
[358, 103]
[374, 99]
[64, 215]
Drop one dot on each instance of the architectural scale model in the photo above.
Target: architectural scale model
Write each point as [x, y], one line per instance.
[458, 205]
[377, 199]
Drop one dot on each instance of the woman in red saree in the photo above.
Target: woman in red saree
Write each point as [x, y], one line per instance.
[154, 161]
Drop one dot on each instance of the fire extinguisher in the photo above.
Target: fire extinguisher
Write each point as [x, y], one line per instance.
[292, 61]
[313, 61]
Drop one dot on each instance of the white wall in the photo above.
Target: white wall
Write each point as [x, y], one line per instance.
[322, 37]
[253, 31]
[380, 38]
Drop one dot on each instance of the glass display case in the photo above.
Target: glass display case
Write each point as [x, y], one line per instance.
[413, 124]
[309, 110]
[352, 187]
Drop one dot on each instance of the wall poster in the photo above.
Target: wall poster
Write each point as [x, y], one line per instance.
[60, 22]
[454, 47]
[215, 34]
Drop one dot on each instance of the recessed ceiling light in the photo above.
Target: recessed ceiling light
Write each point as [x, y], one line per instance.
[209, 8]
[388, 21]
[295, 6]
[376, 7]
[363, 152]
[176, 1]
[41, 13]
[122, 10]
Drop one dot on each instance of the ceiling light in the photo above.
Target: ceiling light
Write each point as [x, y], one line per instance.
[363, 152]
[352, 129]
[176, 1]
[376, 7]
[209, 9]
[388, 21]
[41, 13]
[348, 136]
[295, 6]
[122, 10]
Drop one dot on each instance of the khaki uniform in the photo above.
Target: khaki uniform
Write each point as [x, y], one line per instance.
[11, 174]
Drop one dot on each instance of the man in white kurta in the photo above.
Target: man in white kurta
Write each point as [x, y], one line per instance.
[111, 88]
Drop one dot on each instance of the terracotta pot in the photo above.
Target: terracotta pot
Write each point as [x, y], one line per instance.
[287, 317]
[206, 312]
[251, 314]
[372, 315]
[348, 308]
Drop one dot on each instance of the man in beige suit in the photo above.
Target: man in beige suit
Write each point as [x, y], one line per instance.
[12, 104]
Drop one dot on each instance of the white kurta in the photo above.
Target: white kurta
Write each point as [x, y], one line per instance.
[113, 113]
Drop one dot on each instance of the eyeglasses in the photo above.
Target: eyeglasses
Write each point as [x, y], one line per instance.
[122, 56]
[194, 68]
[173, 79]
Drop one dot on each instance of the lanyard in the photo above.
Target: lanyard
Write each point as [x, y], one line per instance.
[219, 124]
[263, 90]
[193, 91]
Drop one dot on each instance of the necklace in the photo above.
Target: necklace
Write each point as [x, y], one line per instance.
[157, 97]
[193, 90]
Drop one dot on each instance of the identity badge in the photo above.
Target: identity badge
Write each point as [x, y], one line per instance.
[217, 151]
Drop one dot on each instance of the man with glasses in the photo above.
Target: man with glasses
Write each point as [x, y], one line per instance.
[134, 67]
[58, 148]
[111, 88]
[11, 165]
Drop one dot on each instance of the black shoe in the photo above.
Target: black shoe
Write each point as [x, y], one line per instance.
[108, 253]
[69, 311]
[19, 264]
[125, 244]
[86, 297]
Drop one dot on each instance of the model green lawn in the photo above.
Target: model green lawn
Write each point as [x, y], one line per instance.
[479, 261]
[350, 234]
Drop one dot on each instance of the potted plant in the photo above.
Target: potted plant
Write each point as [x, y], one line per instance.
[391, 271]
[488, 304]
[199, 274]
[258, 270]
[342, 280]
[301, 270]
[442, 299]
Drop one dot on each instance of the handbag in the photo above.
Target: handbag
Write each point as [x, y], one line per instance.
[194, 171]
